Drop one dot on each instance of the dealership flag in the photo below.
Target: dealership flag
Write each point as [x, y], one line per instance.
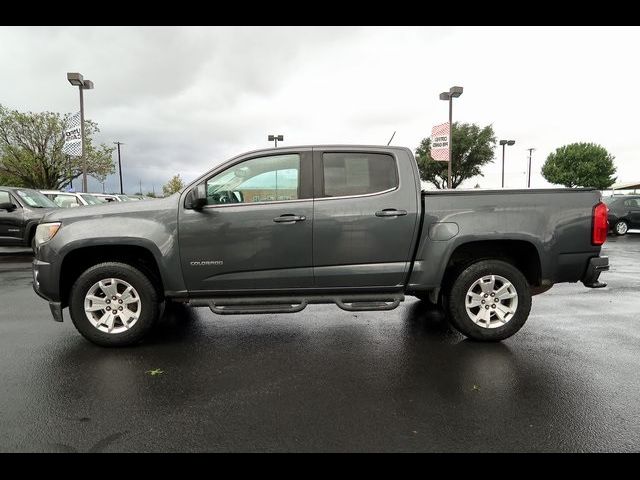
[440, 142]
[73, 137]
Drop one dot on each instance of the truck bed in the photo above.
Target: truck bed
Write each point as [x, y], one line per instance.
[551, 226]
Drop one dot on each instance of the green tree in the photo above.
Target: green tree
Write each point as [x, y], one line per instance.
[31, 150]
[4, 180]
[172, 186]
[472, 149]
[580, 165]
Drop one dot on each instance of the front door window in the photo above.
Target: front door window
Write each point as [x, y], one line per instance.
[264, 179]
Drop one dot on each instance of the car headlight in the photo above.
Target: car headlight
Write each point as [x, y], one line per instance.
[45, 232]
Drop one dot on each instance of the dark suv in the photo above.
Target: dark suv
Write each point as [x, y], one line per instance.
[624, 212]
[20, 211]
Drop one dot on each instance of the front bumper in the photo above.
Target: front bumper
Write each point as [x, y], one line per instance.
[596, 266]
[45, 284]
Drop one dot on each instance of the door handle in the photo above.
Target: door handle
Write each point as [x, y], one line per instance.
[390, 212]
[289, 218]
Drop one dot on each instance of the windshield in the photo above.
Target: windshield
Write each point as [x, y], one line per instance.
[90, 199]
[609, 200]
[35, 199]
[124, 198]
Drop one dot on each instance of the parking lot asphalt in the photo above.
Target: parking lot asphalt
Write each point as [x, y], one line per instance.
[328, 380]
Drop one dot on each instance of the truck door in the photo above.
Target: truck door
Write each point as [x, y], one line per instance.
[11, 221]
[366, 211]
[255, 232]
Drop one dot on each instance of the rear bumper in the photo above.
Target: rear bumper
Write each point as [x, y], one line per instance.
[595, 267]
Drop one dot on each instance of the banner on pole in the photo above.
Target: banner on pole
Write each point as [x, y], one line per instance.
[440, 137]
[73, 137]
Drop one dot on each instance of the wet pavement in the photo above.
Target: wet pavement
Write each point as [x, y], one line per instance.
[328, 380]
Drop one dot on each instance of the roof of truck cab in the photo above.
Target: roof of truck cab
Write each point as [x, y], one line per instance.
[336, 146]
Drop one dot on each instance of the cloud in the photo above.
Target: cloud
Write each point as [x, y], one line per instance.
[183, 99]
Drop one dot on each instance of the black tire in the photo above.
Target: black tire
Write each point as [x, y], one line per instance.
[456, 297]
[149, 304]
[621, 227]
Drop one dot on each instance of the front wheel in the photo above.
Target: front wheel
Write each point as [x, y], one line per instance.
[113, 304]
[621, 227]
[489, 301]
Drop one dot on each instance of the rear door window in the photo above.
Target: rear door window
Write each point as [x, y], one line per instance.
[348, 174]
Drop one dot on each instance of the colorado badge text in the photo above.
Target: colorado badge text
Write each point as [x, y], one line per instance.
[206, 263]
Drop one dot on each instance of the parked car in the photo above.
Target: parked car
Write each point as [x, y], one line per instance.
[20, 211]
[106, 198]
[70, 199]
[624, 212]
[274, 230]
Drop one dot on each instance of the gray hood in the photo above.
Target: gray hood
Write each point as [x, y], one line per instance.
[112, 209]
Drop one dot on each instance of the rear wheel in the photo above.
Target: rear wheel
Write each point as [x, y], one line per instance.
[489, 301]
[621, 227]
[113, 304]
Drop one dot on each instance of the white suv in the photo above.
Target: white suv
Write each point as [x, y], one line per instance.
[70, 199]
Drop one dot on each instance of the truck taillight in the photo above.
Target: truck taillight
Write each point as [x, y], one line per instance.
[600, 224]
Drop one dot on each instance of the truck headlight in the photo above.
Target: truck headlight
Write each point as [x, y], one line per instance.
[45, 232]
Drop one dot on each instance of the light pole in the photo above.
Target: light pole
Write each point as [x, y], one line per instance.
[275, 138]
[529, 174]
[454, 92]
[504, 143]
[77, 80]
[120, 166]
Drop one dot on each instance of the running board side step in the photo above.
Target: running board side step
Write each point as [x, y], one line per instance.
[281, 304]
[357, 305]
[235, 309]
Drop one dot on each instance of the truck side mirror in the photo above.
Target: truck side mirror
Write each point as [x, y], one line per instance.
[9, 207]
[197, 197]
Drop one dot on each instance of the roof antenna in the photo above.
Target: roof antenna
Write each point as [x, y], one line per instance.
[389, 142]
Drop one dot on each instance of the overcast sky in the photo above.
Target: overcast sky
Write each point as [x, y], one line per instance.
[184, 99]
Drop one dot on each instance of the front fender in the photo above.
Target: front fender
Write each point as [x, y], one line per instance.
[159, 237]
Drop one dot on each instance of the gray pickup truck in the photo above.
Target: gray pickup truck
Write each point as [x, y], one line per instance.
[272, 231]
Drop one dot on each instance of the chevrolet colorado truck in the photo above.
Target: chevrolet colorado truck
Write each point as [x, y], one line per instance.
[20, 211]
[272, 231]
